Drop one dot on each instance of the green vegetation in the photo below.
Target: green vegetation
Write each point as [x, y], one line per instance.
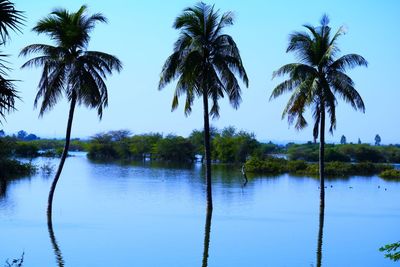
[69, 69]
[10, 168]
[392, 251]
[205, 61]
[174, 148]
[378, 140]
[114, 146]
[345, 153]
[390, 174]
[300, 167]
[234, 147]
[11, 146]
[227, 146]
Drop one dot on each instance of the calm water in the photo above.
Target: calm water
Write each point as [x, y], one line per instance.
[149, 215]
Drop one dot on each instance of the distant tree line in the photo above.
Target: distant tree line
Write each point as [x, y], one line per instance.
[346, 153]
[11, 146]
[275, 166]
[227, 146]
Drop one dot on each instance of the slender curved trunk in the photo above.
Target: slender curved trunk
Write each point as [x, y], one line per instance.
[207, 151]
[56, 248]
[207, 232]
[322, 157]
[63, 157]
[320, 234]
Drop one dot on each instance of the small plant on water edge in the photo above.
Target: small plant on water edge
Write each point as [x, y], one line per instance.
[47, 168]
[15, 262]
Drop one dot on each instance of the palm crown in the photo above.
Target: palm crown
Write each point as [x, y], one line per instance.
[10, 19]
[318, 77]
[68, 68]
[204, 60]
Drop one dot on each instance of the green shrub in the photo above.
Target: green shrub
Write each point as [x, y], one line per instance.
[307, 152]
[335, 168]
[268, 165]
[296, 166]
[390, 174]
[12, 168]
[174, 148]
[26, 149]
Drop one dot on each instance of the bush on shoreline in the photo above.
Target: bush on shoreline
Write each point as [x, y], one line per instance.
[390, 174]
[345, 153]
[10, 168]
[300, 167]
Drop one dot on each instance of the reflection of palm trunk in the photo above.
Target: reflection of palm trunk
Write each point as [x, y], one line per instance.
[62, 160]
[207, 238]
[320, 234]
[3, 187]
[57, 251]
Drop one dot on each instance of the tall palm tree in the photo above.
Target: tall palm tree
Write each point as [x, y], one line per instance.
[10, 20]
[205, 61]
[316, 81]
[69, 69]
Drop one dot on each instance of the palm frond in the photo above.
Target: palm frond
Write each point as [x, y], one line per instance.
[10, 19]
[348, 61]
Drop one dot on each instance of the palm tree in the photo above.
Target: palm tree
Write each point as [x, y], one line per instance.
[205, 62]
[69, 69]
[10, 19]
[316, 81]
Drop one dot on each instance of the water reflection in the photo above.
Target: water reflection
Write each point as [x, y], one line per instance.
[3, 188]
[207, 232]
[56, 248]
[320, 234]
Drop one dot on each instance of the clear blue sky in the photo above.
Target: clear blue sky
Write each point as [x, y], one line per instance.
[140, 33]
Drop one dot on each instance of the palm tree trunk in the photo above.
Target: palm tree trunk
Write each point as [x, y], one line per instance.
[322, 157]
[207, 151]
[63, 157]
[207, 238]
